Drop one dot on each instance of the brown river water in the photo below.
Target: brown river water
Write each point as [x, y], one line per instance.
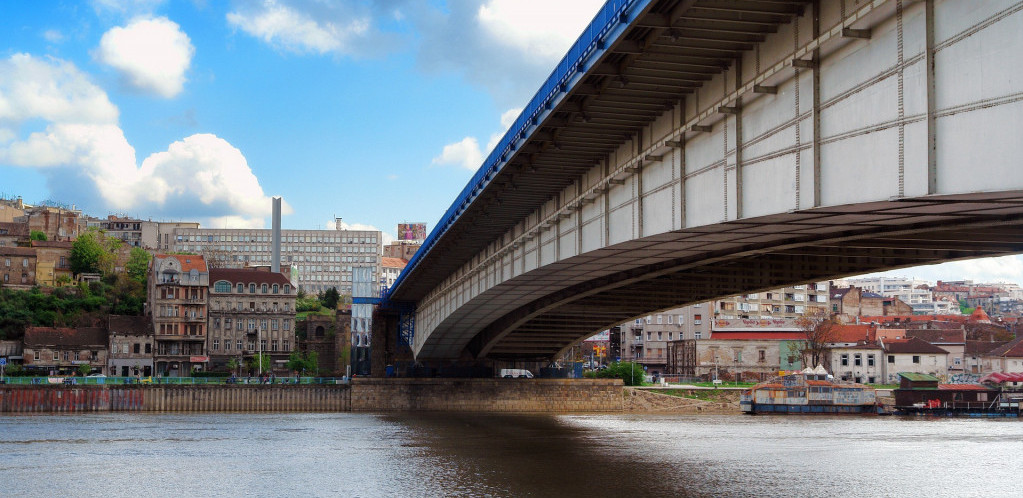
[352, 454]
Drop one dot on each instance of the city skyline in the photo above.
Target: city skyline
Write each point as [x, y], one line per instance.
[194, 111]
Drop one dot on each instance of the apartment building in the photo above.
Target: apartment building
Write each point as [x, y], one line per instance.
[646, 340]
[178, 294]
[251, 311]
[321, 259]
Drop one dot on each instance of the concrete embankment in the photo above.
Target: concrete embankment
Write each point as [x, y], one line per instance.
[368, 395]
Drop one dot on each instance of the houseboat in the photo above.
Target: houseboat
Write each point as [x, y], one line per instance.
[808, 391]
[922, 394]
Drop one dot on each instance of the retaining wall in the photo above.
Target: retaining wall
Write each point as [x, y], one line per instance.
[364, 394]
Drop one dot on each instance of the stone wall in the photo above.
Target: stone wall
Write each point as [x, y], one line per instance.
[365, 394]
[488, 395]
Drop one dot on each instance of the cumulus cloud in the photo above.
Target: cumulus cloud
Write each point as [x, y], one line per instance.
[152, 55]
[345, 28]
[387, 238]
[467, 153]
[82, 151]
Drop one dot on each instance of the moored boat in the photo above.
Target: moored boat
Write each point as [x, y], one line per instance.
[809, 392]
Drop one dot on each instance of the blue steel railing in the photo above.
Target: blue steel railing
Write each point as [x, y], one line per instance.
[594, 39]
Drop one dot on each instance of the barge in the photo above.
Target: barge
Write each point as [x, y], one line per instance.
[922, 394]
[809, 392]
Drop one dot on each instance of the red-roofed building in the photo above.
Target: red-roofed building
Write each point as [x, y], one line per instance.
[748, 355]
[178, 295]
[390, 268]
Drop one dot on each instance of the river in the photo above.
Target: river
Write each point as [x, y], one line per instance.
[352, 454]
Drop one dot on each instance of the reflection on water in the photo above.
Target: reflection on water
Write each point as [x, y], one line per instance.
[505, 455]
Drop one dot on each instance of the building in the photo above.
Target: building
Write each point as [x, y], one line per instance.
[251, 311]
[57, 223]
[402, 249]
[18, 267]
[53, 262]
[321, 259]
[1007, 358]
[62, 351]
[952, 340]
[915, 293]
[178, 295]
[913, 355]
[131, 346]
[851, 304]
[390, 268]
[860, 363]
[745, 356]
[11, 209]
[13, 234]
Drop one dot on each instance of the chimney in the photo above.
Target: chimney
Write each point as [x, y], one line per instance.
[275, 260]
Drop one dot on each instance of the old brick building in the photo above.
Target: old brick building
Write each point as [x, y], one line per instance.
[62, 351]
[251, 311]
[177, 302]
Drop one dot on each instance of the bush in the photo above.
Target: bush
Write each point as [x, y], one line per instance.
[632, 374]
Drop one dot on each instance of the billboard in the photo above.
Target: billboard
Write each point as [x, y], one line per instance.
[412, 231]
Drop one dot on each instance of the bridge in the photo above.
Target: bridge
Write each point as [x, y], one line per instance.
[685, 150]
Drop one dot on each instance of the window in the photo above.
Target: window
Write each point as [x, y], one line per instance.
[697, 335]
[222, 286]
[858, 360]
[287, 289]
[7, 262]
[273, 345]
[891, 358]
[761, 356]
[286, 345]
[67, 356]
[149, 348]
[262, 344]
[870, 362]
[916, 359]
[264, 288]
[276, 288]
[137, 347]
[37, 356]
[239, 288]
[252, 288]
[737, 356]
[216, 344]
[845, 359]
[697, 319]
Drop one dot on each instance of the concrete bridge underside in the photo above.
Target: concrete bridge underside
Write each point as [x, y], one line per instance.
[716, 147]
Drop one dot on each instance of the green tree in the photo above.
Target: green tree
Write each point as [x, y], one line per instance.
[308, 363]
[330, 298]
[253, 363]
[86, 253]
[84, 369]
[138, 264]
[37, 235]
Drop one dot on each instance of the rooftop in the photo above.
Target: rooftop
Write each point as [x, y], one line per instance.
[62, 336]
[911, 345]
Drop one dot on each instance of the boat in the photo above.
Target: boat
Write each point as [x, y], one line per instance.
[810, 391]
[923, 394]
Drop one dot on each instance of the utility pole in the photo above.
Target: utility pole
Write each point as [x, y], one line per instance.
[259, 348]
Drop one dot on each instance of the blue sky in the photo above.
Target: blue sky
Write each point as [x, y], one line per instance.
[374, 111]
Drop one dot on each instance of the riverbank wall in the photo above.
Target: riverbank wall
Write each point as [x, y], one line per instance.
[363, 395]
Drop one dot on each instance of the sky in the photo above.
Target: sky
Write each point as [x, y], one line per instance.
[377, 112]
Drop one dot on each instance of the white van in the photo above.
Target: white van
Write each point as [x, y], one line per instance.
[520, 373]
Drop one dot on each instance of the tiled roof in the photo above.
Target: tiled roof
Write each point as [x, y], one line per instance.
[393, 262]
[943, 336]
[61, 336]
[963, 387]
[871, 295]
[1013, 348]
[129, 325]
[17, 251]
[54, 244]
[999, 377]
[911, 345]
[978, 348]
[247, 276]
[188, 262]
[14, 229]
[853, 333]
[979, 315]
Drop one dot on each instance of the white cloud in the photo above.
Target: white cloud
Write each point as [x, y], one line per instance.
[385, 237]
[52, 90]
[53, 36]
[152, 55]
[292, 29]
[541, 28]
[126, 7]
[984, 270]
[82, 152]
[465, 153]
